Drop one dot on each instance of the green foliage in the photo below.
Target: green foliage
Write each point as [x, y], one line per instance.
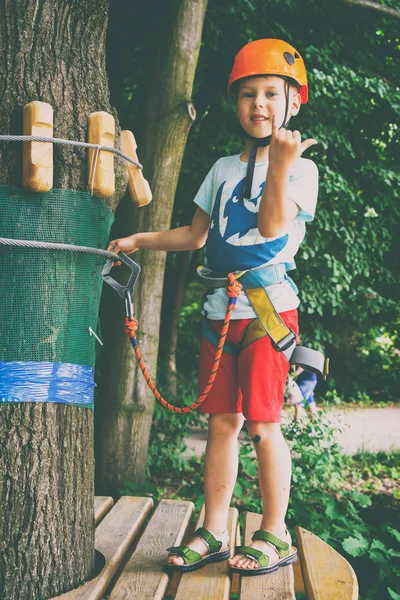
[169, 431]
[356, 521]
[331, 495]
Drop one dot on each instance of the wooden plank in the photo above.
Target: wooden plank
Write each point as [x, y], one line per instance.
[102, 505]
[298, 577]
[143, 576]
[139, 188]
[212, 582]
[37, 172]
[114, 536]
[327, 575]
[101, 130]
[235, 576]
[278, 585]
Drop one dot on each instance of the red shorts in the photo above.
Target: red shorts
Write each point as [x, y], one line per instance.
[252, 383]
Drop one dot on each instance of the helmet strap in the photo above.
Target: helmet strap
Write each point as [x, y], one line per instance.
[261, 142]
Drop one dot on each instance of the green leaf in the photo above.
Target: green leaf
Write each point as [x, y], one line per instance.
[362, 499]
[393, 594]
[379, 558]
[355, 546]
[378, 545]
[238, 490]
[394, 532]
[249, 467]
[332, 511]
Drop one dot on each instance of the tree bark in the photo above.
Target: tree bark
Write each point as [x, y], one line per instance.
[125, 404]
[52, 51]
[175, 305]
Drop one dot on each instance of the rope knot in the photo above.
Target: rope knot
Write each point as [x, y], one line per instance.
[234, 287]
[130, 327]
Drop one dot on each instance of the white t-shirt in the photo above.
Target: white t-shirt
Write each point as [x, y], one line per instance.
[234, 242]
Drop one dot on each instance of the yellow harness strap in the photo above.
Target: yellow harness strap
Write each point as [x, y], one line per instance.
[268, 320]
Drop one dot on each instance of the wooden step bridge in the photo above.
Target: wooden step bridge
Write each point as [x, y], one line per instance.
[134, 556]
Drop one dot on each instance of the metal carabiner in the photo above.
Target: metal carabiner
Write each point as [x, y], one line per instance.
[125, 291]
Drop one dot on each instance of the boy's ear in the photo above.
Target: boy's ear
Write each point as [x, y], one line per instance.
[296, 104]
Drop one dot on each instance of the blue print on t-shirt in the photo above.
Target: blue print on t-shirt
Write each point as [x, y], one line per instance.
[231, 242]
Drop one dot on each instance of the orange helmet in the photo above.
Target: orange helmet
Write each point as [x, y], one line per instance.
[270, 57]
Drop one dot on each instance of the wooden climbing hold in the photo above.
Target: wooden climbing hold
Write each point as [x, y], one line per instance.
[37, 172]
[139, 188]
[101, 130]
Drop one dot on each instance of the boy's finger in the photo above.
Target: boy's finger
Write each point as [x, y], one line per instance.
[274, 125]
[307, 143]
[113, 247]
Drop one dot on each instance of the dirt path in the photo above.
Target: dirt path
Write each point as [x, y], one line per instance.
[370, 429]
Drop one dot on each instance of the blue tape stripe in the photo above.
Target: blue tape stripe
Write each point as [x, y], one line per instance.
[46, 382]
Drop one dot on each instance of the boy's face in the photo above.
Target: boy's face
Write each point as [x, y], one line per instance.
[259, 98]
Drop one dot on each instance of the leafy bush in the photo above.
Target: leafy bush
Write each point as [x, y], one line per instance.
[337, 497]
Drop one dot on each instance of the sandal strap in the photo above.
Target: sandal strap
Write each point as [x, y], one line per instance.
[254, 554]
[209, 539]
[189, 556]
[281, 546]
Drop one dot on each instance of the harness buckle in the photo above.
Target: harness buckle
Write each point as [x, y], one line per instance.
[125, 291]
[285, 342]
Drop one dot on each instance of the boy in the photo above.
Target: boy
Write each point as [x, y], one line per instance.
[251, 213]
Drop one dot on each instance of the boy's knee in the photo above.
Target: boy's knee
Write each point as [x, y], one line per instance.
[260, 431]
[226, 423]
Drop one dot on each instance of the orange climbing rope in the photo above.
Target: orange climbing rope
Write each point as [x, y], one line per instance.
[131, 325]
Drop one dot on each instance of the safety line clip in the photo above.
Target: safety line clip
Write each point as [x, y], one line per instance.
[125, 291]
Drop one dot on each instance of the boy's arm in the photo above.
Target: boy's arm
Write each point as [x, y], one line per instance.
[276, 209]
[190, 237]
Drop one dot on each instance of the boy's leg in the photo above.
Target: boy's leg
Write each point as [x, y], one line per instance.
[225, 422]
[262, 377]
[274, 472]
[221, 468]
[220, 472]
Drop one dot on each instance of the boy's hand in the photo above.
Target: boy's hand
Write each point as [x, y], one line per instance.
[286, 146]
[126, 245]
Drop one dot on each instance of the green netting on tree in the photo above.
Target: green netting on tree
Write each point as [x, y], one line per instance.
[50, 298]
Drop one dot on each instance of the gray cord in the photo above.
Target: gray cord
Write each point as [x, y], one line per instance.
[51, 246]
[36, 138]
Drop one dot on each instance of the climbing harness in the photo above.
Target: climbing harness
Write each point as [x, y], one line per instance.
[131, 324]
[268, 322]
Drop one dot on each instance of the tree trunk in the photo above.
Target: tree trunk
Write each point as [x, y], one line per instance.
[52, 51]
[125, 404]
[175, 305]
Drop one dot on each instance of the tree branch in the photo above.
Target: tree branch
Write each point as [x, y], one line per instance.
[389, 11]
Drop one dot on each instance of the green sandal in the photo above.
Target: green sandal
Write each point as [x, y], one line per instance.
[193, 560]
[287, 554]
